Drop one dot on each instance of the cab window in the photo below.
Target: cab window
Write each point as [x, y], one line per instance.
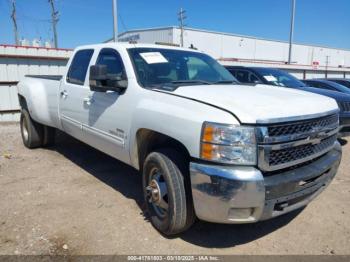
[319, 85]
[245, 76]
[79, 66]
[111, 58]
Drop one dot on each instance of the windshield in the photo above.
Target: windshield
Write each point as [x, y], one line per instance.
[343, 83]
[156, 67]
[279, 78]
[338, 87]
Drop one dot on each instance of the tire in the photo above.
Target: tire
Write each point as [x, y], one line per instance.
[31, 131]
[166, 172]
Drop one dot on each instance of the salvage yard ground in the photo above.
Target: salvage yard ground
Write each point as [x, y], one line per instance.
[72, 199]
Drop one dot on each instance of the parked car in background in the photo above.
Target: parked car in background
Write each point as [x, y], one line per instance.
[326, 84]
[279, 78]
[341, 81]
[206, 146]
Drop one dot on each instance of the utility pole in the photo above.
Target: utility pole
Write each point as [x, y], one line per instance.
[115, 20]
[182, 17]
[14, 19]
[54, 18]
[291, 34]
[327, 63]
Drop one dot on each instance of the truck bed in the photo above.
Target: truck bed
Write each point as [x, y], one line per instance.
[42, 96]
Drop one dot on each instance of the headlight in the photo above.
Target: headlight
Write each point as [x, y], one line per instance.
[228, 144]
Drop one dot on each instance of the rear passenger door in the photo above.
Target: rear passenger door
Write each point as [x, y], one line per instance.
[73, 92]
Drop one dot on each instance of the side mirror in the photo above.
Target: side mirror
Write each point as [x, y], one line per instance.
[101, 81]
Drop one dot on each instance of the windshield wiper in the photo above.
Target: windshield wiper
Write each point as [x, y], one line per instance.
[191, 82]
[226, 82]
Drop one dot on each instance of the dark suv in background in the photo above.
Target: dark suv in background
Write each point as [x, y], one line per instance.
[279, 78]
[326, 84]
[341, 81]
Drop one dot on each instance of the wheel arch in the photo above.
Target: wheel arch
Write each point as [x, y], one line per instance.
[148, 140]
[22, 101]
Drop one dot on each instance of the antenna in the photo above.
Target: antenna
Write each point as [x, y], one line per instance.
[182, 17]
[291, 33]
[14, 19]
[115, 20]
[54, 18]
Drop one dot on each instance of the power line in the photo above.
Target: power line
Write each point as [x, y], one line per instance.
[122, 22]
[33, 19]
[54, 18]
[182, 17]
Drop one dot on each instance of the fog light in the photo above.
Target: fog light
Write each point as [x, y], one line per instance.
[240, 213]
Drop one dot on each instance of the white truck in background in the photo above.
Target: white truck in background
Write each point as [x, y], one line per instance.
[207, 146]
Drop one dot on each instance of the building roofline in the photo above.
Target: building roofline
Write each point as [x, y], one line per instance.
[36, 47]
[228, 34]
[261, 38]
[142, 30]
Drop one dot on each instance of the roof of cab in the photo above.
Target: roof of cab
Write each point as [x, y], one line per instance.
[136, 45]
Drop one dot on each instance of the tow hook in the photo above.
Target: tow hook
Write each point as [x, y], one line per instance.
[281, 206]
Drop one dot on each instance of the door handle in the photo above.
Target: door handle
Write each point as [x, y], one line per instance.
[88, 100]
[64, 94]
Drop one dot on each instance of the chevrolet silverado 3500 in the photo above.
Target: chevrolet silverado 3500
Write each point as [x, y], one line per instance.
[206, 146]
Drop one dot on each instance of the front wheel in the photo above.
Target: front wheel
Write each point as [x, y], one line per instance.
[167, 192]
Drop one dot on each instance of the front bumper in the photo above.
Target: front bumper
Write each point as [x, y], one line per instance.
[224, 194]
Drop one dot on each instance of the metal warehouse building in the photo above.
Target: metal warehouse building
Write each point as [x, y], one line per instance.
[307, 61]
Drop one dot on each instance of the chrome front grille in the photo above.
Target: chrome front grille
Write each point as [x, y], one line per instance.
[303, 127]
[344, 106]
[284, 145]
[290, 155]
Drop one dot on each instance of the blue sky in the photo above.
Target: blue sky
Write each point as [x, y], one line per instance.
[89, 21]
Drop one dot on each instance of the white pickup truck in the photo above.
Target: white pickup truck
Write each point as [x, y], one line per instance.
[207, 146]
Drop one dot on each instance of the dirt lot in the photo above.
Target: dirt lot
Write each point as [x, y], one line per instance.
[72, 199]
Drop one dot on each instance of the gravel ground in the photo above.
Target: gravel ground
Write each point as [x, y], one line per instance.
[72, 199]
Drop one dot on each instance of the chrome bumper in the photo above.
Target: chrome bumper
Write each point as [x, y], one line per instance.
[224, 194]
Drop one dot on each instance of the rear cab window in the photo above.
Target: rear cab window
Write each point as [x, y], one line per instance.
[79, 67]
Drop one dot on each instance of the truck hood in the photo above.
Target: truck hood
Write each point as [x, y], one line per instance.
[260, 103]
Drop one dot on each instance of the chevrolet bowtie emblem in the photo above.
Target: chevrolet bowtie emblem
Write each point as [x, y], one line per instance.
[317, 137]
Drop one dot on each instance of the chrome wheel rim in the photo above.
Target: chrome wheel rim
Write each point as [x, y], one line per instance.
[25, 130]
[157, 193]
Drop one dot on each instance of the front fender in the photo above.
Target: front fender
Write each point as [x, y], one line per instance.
[176, 117]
